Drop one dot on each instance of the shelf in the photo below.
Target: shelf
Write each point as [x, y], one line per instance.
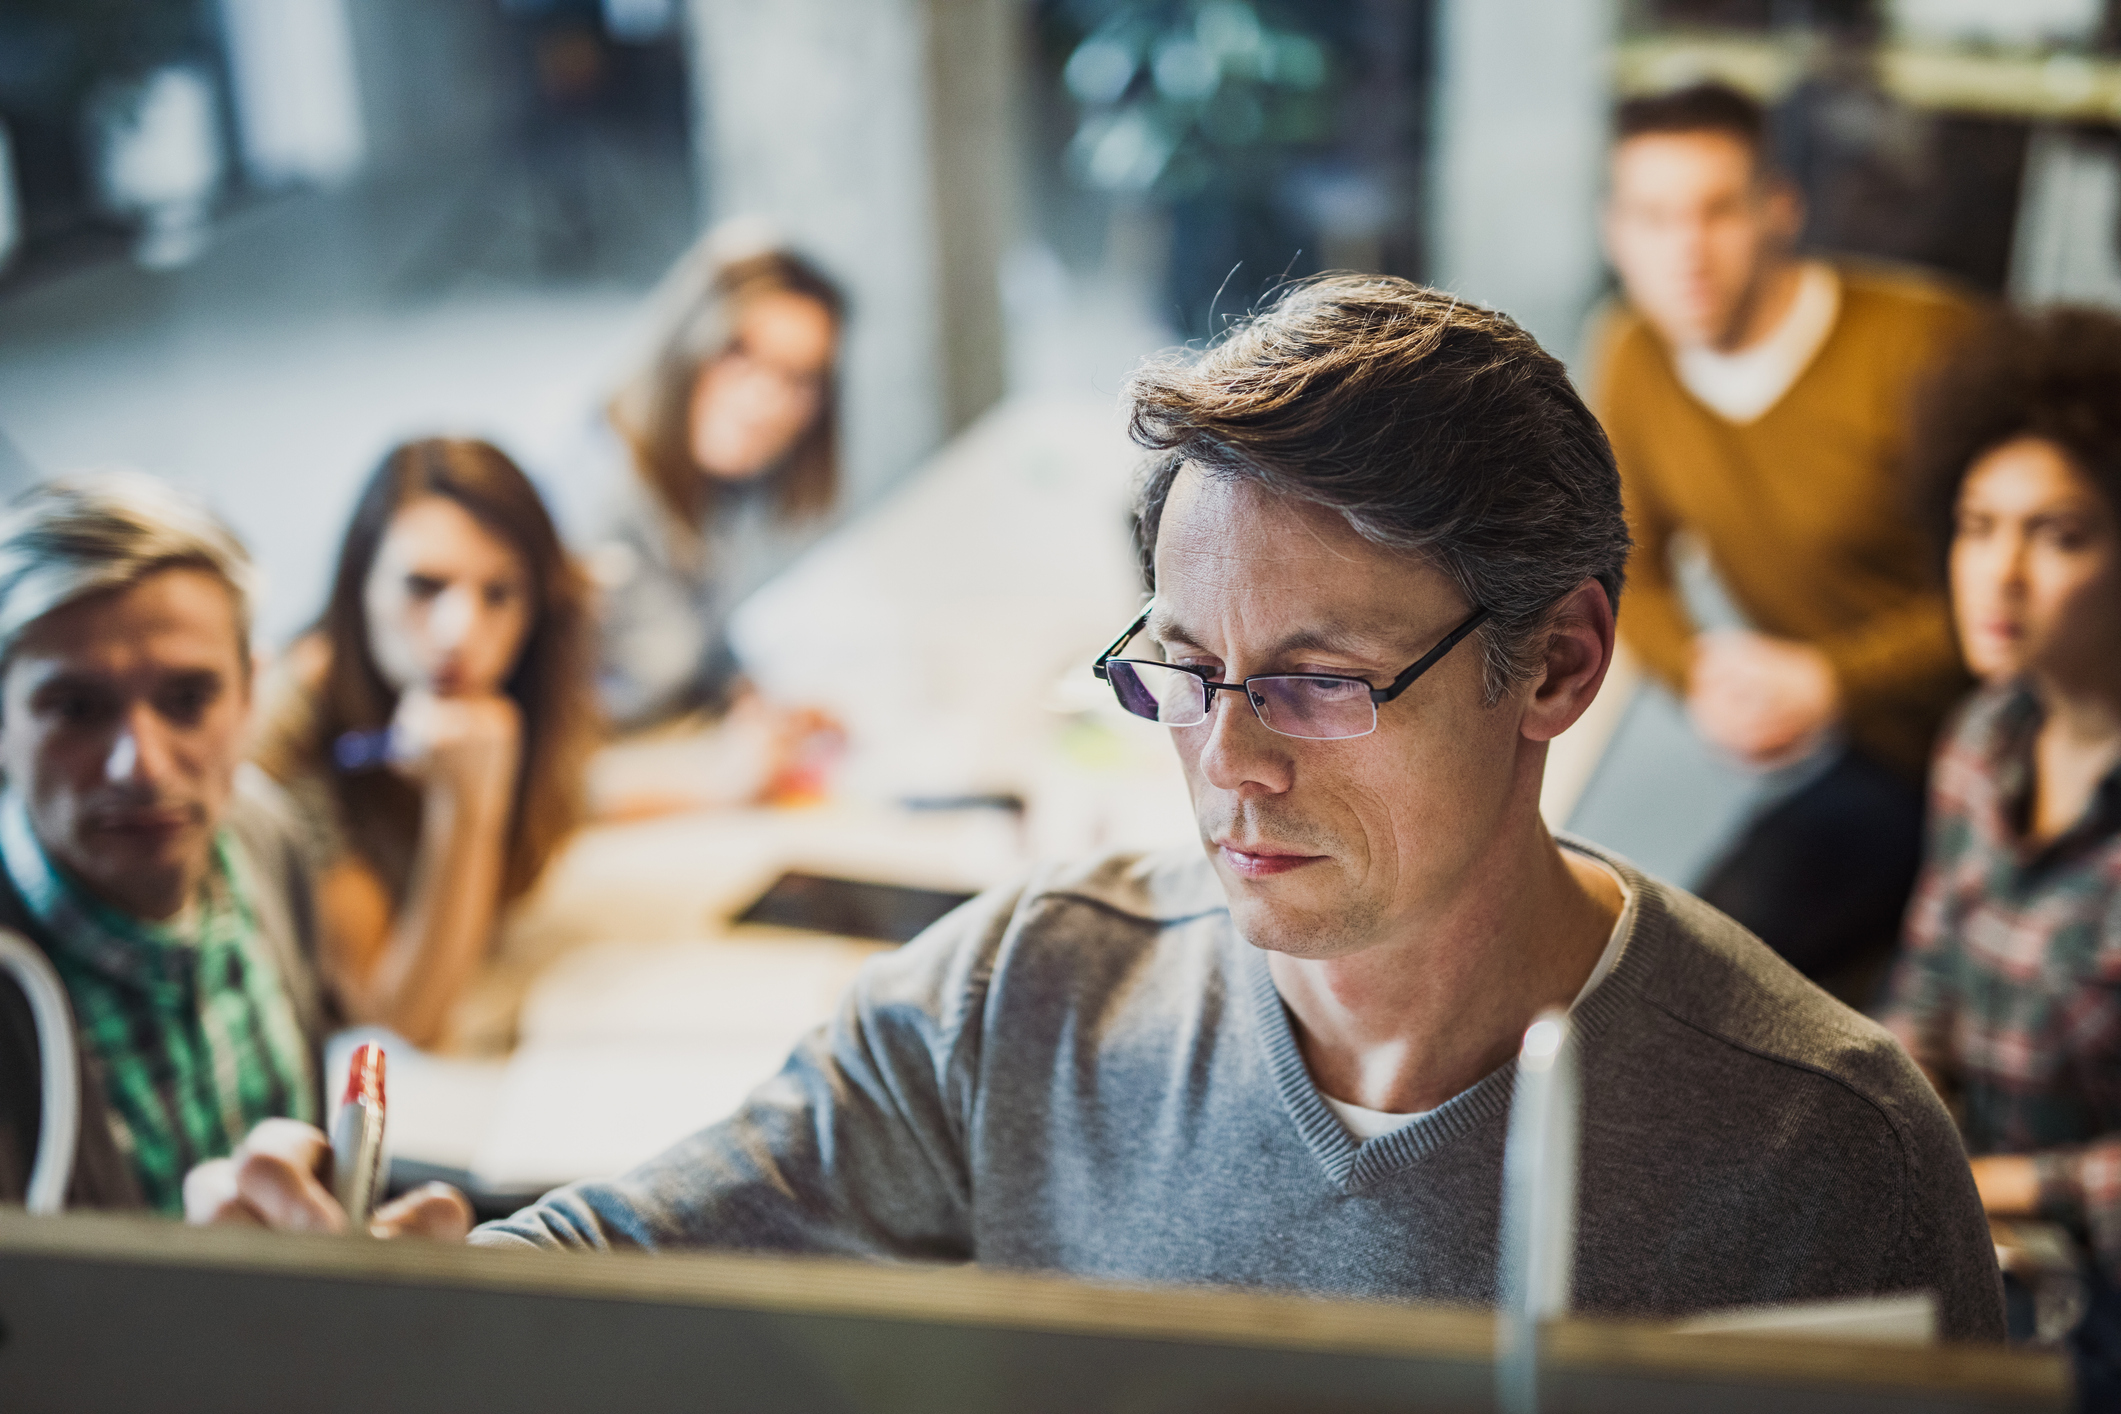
[2059, 87]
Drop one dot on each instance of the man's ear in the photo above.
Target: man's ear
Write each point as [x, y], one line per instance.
[1579, 650]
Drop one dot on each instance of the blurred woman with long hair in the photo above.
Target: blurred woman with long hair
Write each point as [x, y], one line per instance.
[727, 442]
[2005, 992]
[436, 726]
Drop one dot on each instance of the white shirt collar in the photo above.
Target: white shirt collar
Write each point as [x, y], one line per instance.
[1740, 387]
[1365, 1124]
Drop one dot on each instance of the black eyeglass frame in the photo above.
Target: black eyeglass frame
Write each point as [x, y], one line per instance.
[1378, 695]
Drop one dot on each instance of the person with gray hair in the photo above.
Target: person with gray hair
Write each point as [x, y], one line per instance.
[158, 876]
[1283, 1059]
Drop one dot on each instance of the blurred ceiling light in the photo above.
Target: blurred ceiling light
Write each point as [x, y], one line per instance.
[298, 107]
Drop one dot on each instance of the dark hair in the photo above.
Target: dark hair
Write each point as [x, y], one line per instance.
[653, 411]
[1435, 426]
[1711, 107]
[550, 681]
[2054, 375]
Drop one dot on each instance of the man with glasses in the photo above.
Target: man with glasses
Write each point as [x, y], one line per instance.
[1386, 542]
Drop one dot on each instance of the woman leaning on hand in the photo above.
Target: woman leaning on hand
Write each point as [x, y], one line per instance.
[2008, 992]
[435, 726]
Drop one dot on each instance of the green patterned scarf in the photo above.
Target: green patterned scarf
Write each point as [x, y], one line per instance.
[196, 1034]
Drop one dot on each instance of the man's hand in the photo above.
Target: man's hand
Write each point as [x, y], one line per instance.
[2009, 1185]
[274, 1180]
[1765, 700]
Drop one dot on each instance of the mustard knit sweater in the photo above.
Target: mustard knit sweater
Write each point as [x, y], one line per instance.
[1804, 511]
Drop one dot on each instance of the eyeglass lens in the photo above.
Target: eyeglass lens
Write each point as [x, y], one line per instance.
[1313, 708]
[1318, 708]
[1161, 694]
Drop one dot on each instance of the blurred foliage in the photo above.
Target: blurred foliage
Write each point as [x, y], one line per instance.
[1176, 97]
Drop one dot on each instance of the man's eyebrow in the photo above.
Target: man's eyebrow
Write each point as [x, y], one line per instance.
[89, 680]
[1328, 641]
[1165, 629]
[71, 680]
[1168, 630]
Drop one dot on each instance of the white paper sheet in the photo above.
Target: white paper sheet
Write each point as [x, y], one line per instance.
[715, 993]
[595, 1109]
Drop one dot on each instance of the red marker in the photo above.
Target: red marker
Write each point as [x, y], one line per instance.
[357, 1138]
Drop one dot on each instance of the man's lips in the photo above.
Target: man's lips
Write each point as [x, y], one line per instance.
[142, 822]
[1258, 861]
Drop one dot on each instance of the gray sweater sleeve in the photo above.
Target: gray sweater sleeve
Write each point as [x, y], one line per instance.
[856, 1148]
[1944, 1245]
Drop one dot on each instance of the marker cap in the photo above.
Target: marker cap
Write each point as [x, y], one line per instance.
[364, 1076]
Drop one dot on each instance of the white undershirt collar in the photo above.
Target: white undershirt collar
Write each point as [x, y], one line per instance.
[1740, 387]
[1365, 1124]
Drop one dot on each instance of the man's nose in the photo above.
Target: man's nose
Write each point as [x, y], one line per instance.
[139, 754]
[1239, 750]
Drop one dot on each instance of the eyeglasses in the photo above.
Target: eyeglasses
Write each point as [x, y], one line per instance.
[1311, 706]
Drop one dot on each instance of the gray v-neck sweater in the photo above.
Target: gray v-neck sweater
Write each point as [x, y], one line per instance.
[1094, 1074]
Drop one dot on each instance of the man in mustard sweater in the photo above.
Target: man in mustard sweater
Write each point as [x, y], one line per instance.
[1758, 402]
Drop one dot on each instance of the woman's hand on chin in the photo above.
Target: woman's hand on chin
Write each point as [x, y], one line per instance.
[467, 747]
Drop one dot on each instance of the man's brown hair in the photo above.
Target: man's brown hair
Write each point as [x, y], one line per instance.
[1434, 426]
[1711, 107]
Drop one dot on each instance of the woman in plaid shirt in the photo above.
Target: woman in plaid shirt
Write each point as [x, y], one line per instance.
[2009, 990]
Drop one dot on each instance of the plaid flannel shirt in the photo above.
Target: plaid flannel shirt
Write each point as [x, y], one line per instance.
[2008, 988]
[196, 1036]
